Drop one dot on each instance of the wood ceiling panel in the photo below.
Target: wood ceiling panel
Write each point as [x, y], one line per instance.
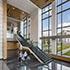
[15, 12]
[42, 3]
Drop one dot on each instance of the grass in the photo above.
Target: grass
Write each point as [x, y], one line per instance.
[64, 46]
[67, 53]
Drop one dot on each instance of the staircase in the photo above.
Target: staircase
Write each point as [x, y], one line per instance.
[43, 57]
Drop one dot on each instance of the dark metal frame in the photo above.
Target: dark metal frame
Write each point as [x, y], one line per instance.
[61, 22]
[25, 26]
[48, 25]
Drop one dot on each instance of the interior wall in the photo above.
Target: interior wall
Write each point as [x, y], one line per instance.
[12, 49]
[34, 26]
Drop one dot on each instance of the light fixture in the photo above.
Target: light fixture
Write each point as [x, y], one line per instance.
[13, 8]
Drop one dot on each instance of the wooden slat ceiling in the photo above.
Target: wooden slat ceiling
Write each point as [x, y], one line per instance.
[42, 3]
[15, 12]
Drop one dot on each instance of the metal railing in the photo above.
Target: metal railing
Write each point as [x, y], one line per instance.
[40, 54]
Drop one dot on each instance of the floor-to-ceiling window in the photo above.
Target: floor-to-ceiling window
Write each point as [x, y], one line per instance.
[63, 27]
[26, 28]
[46, 26]
[62, 38]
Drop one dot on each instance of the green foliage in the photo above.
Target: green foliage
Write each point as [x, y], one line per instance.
[67, 53]
[64, 46]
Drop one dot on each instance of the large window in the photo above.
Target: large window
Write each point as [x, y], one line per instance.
[26, 28]
[63, 27]
[46, 26]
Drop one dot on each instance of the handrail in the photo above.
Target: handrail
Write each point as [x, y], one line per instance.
[60, 58]
[44, 57]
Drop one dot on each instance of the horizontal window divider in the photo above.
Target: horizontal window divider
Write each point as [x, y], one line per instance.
[63, 11]
[63, 27]
[46, 30]
[55, 37]
[46, 11]
[47, 17]
[63, 3]
[47, 5]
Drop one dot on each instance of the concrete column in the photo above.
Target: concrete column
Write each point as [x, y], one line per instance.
[53, 47]
[34, 26]
[35, 32]
[4, 29]
[1, 28]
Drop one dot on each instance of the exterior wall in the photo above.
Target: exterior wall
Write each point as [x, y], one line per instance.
[1, 33]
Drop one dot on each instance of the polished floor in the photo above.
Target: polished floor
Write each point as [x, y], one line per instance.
[32, 64]
[3, 65]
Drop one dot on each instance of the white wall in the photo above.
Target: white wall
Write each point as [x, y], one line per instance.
[34, 26]
[39, 28]
[35, 33]
[1, 22]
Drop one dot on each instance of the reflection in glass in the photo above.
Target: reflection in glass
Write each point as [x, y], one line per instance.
[59, 31]
[45, 15]
[45, 24]
[66, 5]
[66, 18]
[66, 31]
[59, 20]
[45, 33]
[66, 46]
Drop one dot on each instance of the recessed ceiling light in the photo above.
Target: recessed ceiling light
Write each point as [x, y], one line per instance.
[13, 8]
[23, 12]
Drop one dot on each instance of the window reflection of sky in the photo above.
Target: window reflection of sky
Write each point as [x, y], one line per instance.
[63, 18]
[45, 24]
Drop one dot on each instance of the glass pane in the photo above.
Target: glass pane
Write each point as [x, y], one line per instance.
[24, 31]
[58, 31]
[45, 24]
[59, 9]
[45, 9]
[50, 6]
[45, 33]
[50, 22]
[66, 46]
[59, 20]
[50, 33]
[66, 31]
[66, 5]
[58, 2]
[45, 45]
[45, 15]
[59, 48]
[64, 0]
[66, 18]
